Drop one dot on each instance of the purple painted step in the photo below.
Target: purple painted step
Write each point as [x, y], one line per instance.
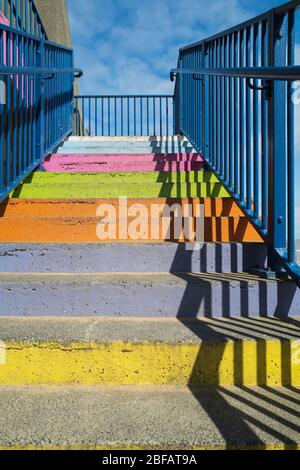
[81, 163]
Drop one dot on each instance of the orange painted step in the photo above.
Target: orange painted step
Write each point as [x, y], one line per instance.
[83, 230]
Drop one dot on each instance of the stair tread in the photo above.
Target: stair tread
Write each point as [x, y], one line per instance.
[42, 178]
[135, 278]
[149, 417]
[147, 330]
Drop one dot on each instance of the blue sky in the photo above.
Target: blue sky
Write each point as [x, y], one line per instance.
[129, 46]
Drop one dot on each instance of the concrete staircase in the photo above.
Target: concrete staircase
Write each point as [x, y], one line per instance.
[153, 343]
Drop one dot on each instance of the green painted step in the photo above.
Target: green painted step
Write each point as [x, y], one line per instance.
[114, 190]
[43, 177]
[109, 185]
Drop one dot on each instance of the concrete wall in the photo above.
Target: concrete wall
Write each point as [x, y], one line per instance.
[54, 15]
[55, 19]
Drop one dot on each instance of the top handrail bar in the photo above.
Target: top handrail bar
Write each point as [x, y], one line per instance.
[264, 16]
[78, 73]
[170, 95]
[288, 73]
[25, 34]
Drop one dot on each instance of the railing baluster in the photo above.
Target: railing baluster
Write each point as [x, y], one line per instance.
[96, 115]
[256, 194]
[154, 117]
[122, 117]
[291, 143]
[142, 115]
[242, 118]
[115, 116]
[128, 116]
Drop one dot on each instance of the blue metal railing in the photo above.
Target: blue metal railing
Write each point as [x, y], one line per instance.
[23, 16]
[233, 97]
[36, 102]
[124, 115]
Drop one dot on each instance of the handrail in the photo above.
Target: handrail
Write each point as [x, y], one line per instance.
[78, 73]
[291, 73]
[247, 137]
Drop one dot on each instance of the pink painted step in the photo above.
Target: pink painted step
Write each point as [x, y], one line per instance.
[123, 162]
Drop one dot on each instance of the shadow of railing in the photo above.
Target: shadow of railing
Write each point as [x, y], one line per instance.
[242, 415]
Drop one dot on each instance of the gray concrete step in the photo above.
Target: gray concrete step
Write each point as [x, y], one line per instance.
[171, 417]
[146, 295]
[131, 257]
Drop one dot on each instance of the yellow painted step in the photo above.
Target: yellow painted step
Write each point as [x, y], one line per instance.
[86, 351]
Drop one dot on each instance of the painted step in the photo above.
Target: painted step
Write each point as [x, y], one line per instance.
[129, 229]
[85, 351]
[146, 295]
[153, 138]
[218, 207]
[123, 163]
[132, 417]
[97, 148]
[132, 257]
[43, 178]
[84, 190]
[173, 145]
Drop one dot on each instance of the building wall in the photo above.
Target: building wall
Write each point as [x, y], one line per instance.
[55, 19]
[54, 16]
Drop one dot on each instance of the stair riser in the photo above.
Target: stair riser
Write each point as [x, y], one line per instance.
[131, 139]
[126, 363]
[95, 230]
[128, 158]
[125, 298]
[223, 258]
[166, 146]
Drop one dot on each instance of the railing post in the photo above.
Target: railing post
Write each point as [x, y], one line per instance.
[39, 104]
[278, 144]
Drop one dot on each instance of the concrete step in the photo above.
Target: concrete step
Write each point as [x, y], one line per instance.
[163, 418]
[113, 190]
[87, 351]
[146, 295]
[169, 145]
[123, 163]
[153, 138]
[124, 148]
[132, 257]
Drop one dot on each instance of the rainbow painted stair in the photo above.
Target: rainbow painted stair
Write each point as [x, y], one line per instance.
[126, 335]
